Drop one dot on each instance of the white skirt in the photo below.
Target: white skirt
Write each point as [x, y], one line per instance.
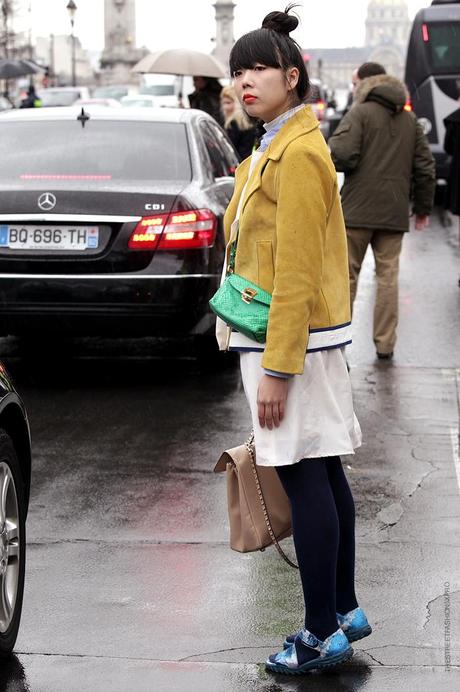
[319, 419]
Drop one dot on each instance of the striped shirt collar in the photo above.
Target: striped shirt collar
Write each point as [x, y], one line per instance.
[275, 125]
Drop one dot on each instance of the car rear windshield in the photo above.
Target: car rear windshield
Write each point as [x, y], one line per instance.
[444, 47]
[100, 151]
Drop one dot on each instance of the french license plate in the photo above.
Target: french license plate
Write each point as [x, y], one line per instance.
[25, 237]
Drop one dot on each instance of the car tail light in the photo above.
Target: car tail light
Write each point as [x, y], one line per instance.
[320, 110]
[425, 34]
[181, 230]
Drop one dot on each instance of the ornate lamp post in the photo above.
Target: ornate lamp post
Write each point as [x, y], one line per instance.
[72, 9]
[6, 11]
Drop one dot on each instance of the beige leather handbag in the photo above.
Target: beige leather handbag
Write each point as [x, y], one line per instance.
[258, 508]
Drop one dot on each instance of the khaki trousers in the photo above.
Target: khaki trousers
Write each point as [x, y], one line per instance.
[386, 246]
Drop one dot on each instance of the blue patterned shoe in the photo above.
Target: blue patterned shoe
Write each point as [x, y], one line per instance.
[310, 653]
[354, 624]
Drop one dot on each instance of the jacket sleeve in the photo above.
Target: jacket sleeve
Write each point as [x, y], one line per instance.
[304, 189]
[346, 142]
[423, 175]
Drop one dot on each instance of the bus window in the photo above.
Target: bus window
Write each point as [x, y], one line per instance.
[444, 47]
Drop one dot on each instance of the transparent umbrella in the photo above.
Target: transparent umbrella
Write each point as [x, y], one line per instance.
[179, 61]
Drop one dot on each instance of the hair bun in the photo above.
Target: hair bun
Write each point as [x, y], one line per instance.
[282, 22]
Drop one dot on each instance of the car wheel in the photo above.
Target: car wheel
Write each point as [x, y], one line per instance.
[12, 544]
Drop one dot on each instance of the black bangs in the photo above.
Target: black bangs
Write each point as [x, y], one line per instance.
[252, 48]
[272, 49]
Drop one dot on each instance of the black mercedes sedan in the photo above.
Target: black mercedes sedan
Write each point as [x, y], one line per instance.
[15, 465]
[111, 220]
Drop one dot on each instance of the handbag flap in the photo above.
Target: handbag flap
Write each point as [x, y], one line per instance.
[221, 465]
[234, 456]
[253, 292]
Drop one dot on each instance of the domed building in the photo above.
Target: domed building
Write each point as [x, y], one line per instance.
[387, 33]
[387, 22]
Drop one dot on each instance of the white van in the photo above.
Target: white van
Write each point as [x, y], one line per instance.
[168, 90]
[62, 96]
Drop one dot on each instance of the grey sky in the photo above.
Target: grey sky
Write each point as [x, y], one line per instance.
[190, 23]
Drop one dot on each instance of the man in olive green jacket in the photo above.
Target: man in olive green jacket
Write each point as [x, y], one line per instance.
[386, 159]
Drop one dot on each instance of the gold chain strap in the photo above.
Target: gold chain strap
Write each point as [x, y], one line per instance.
[250, 447]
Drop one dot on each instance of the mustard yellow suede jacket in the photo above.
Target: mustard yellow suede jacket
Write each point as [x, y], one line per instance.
[292, 243]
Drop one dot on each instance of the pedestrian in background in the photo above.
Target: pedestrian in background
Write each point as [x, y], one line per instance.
[32, 100]
[286, 219]
[206, 96]
[386, 159]
[237, 124]
[368, 69]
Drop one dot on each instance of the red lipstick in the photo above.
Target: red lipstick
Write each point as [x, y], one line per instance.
[249, 98]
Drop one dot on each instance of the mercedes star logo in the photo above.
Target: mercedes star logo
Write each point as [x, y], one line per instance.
[47, 201]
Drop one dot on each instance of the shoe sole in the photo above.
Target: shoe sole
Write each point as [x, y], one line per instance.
[358, 634]
[327, 662]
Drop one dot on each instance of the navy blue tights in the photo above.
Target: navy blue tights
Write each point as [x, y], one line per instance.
[323, 523]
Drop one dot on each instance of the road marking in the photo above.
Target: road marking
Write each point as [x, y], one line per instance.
[455, 432]
[454, 440]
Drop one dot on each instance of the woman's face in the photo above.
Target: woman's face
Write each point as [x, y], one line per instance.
[199, 83]
[227, 105]
[266, 92]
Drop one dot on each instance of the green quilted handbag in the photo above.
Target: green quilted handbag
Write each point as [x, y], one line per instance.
[244, 306]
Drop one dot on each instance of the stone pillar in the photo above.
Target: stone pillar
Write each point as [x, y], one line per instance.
[120, 53]
[224, 30]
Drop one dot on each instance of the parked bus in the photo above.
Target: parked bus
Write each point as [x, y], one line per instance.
[433, 71]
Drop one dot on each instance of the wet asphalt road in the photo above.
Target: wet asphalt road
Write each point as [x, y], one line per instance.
[130, 583]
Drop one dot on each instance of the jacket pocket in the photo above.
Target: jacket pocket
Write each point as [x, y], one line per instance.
[265, 267]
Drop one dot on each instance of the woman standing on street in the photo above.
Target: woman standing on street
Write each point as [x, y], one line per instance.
[291, 242]
[237, 125]
[206, 96]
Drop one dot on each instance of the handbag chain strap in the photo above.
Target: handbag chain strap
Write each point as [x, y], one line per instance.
[250, 447]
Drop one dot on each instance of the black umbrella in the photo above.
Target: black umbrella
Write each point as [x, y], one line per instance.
[10, 68]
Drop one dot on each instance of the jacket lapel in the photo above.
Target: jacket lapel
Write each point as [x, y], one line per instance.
[230, 213]
[301, 122]
[255, 180]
